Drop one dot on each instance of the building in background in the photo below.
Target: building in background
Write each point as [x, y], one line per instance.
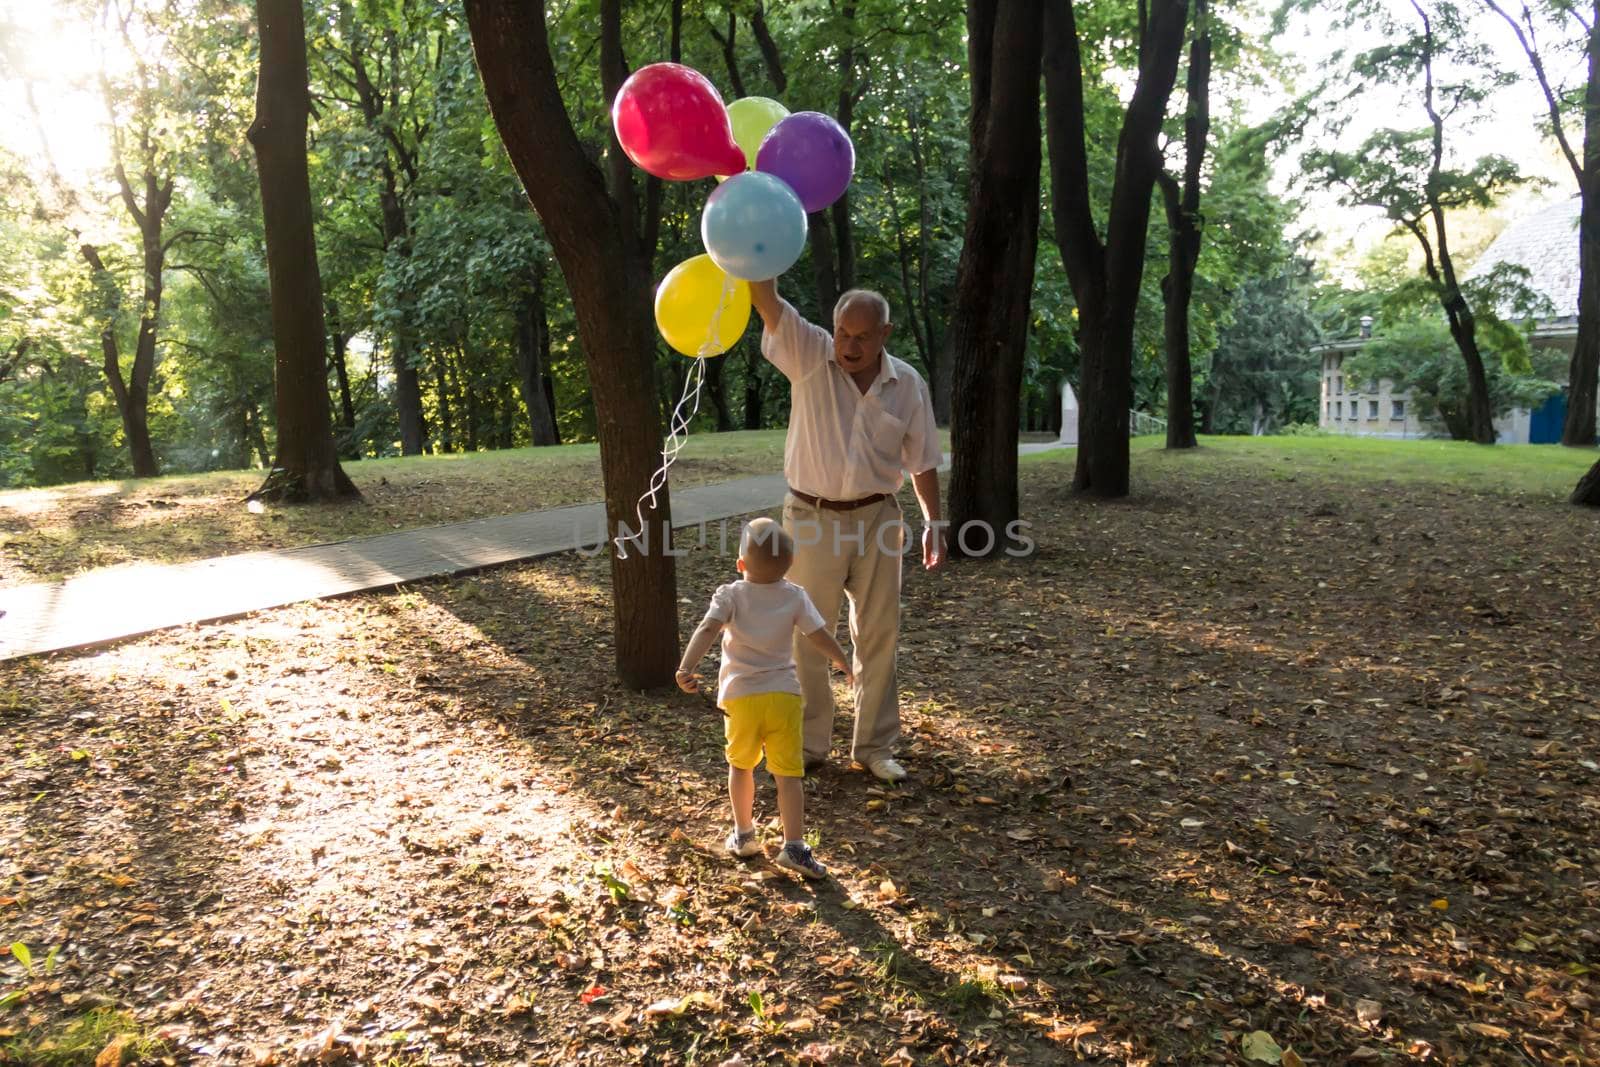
[1546, 244]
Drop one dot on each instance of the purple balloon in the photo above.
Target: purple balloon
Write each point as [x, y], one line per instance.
[812, 153]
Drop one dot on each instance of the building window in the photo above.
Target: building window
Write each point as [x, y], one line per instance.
[1338, 384]
[1372, 409]
[1399, 409]
[1338, 410]
[1327, 409]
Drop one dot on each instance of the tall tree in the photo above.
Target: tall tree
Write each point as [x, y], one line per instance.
[1184, 228]
[593, 230]
[988, 331]
[307, 465]
[1579, 430]
[139, 138]
[533, 360]
[384, 85]
[1583, 373]
[1105, 274]
[1403, 172]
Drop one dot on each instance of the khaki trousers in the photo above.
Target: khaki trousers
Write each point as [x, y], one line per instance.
[855, 554]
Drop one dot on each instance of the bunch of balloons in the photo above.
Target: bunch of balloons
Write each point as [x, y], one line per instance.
[773, 168]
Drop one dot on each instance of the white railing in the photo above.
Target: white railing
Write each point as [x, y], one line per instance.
[1141, 424]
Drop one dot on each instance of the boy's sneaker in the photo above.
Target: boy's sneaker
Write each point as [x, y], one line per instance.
[743, 845]
[796, 856]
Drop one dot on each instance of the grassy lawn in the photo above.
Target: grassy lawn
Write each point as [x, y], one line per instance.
[1532, 470]
[54, 533]
[1225, 768]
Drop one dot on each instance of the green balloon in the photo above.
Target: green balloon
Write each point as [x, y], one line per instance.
[752, 117]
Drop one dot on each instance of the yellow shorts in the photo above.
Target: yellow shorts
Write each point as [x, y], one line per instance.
[769, 721]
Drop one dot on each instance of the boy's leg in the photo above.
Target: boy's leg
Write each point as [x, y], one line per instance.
[791, 807]
[782, 737]
[742, 792]
[742, 726]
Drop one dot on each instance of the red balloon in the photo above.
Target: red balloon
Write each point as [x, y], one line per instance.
[671, 122]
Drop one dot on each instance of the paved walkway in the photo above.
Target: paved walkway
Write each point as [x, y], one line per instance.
[118, 602]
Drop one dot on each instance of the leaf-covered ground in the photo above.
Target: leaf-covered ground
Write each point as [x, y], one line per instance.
[1242, 769]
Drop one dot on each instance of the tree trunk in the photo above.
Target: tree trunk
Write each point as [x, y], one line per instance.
[1588, 489]
[1105, 277]
[988, 331]
[136, 417]
[446, 441]
[344, 433]
[819, 234]
[407, 381]
[132, 393]
[607, 274]
[1183, 222]
[307, 465]
[715, 365]
[849, 93]
[1463, 327]
[466, 382]
[752, 387]
[533, 349]
[1579, 430]
[938, 368]
[377, 108]
[1177, 289]
[256, 436]
[903, 250]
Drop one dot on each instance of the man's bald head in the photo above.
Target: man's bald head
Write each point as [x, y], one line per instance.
[866, 300]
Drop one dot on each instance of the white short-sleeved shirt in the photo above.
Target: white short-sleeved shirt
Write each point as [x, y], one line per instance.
[758, 624]
[844, 444]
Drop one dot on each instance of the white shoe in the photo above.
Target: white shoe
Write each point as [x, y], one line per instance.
[743, 845]
[887, 770]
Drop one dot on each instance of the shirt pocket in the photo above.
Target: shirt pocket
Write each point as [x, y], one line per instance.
[888, 436]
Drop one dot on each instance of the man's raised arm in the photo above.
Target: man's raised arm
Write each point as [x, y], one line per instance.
[769, 305]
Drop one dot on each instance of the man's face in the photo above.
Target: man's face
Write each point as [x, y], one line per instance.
[858, 337]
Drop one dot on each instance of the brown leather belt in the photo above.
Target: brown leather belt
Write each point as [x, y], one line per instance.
[838, 505]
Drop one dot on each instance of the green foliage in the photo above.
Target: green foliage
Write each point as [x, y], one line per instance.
[1264, 375]
[84, 1039]
[400, 131]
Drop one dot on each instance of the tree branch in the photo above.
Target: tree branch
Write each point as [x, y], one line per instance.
[769, 48]
[1532, 52]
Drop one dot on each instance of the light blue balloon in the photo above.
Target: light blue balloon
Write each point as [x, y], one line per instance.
[753, 226]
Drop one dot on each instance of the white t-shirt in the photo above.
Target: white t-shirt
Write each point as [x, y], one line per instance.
[758, 624]
[844, 444]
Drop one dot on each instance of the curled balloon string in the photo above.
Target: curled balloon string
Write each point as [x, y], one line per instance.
[678, 425]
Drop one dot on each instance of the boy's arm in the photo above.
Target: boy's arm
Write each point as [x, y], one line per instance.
[699, 645]
[824, 643]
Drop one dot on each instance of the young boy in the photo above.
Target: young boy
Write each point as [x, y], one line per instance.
[758, 690]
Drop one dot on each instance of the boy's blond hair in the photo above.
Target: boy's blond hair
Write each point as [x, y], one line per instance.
[767, 544]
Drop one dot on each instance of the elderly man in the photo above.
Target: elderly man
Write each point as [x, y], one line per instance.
[858, 419]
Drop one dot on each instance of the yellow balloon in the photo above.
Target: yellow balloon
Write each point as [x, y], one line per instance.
[700, 310]
[752, 118]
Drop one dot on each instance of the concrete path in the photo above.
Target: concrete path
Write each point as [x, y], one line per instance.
[118, 602]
